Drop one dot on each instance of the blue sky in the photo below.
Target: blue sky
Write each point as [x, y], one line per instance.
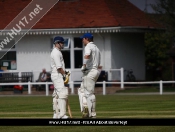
[141, 4]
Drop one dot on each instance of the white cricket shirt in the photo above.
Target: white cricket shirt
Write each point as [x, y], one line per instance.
[57, 60]
[95, 56]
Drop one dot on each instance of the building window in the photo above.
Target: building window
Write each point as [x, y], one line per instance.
[66, 57]
[78, 58]
[78, 53]
[78, 43]
[8, 57]
[66, 43]
[8, 61]
[72, 53]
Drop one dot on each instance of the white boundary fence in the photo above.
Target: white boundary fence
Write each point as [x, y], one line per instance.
[71, 83]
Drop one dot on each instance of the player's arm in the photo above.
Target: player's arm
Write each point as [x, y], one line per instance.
[86, 56]
[60, 70]
[86, 59]
[99, 66]
[58, 64]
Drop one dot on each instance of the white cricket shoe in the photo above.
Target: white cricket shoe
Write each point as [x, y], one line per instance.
[54, 116]
[93, 115]
[65, 117]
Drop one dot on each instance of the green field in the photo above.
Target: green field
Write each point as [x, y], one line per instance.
[108, 106]
[143, 89]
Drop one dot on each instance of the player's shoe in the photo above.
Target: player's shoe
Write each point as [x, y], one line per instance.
[93, 115]
[85, 112]
[54, 116]
[65, 117]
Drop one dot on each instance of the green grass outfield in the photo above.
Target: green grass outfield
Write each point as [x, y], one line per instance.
[144, 89]
[108, 106]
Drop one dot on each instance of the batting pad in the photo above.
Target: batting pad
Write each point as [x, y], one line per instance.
[63, 94]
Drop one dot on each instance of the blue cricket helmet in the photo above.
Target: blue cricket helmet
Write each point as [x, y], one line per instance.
[58, 39]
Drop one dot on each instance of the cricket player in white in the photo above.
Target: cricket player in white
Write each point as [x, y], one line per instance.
[60, 93]
[90, 69]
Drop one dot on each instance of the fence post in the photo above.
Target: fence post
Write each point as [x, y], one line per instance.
[161, 87]
[47, 89]
[104, 88]
[122, 78]
[29, 88]
[72, 87]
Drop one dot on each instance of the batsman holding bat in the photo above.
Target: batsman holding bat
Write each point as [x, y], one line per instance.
[91, 71]
[58, 75]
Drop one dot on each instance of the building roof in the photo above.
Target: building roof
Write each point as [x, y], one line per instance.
[77, 15]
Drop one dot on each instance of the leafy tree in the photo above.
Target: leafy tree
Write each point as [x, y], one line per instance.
[165, 10]
[158, 44]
